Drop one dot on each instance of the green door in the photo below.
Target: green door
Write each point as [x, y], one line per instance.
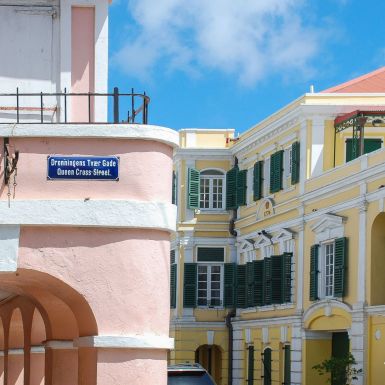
[340, 349]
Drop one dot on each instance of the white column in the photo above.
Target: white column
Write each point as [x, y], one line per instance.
[361, 279]
[317, 146]
[303, 156]
[358, 342]
[238, 355]
[299, 275]
[296, 354]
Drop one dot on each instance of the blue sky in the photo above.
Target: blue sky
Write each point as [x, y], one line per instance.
[229, 64]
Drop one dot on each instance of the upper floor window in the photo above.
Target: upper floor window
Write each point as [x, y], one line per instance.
[328, 262]
[209, 285]
[211, 190]
[370, 145]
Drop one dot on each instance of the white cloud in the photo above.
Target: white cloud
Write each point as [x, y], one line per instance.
[248, 39]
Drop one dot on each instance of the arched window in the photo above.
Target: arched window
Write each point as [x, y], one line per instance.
[212, 190]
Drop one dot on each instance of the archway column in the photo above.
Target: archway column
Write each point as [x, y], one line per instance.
[61, 363]
[143, 359]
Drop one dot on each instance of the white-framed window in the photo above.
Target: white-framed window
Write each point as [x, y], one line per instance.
[211, 195]
[210, 279]
[326, 268]
[287, 159]
[266, 177]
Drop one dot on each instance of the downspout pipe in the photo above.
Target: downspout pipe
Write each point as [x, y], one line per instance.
[229, 325]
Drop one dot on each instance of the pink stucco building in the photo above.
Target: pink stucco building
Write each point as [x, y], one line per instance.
[85, 208]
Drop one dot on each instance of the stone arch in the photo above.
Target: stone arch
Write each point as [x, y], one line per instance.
[377, 265]
[210, 357]
[15, 351]
[328, 315]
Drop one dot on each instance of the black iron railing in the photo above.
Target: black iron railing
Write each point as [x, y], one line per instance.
[51, 108]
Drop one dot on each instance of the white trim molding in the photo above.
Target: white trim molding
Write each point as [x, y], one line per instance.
[9, 247]
[328, 226]
[90, 213]
[60, 344]
[327, 305]
[126, 342]
[105, 131]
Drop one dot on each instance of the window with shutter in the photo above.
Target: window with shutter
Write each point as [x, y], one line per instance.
[266, 176]
[229, 284]
[370, 144]
[193, 189]
[295, 162]
[276, 168]
[257, 180]
[241, 286]
[314, 273]
[173, 284]
[174, 188]
[276, 279]
[241, 187]
[211, 195]
[190, 285]
[340, 267]
[266, 360]
[286, 276]
[250, 299]
[267, 282]
[258, 282]
[231, 188]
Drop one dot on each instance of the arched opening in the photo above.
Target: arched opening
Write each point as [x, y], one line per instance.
[266, 364]
[37, 360]
[377, 282]
[15, 351]
[210, 357]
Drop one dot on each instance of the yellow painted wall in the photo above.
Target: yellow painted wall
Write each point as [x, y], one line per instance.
[376, 351]
[314, 352]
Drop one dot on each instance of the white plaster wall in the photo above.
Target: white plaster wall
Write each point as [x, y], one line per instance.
[27, 39]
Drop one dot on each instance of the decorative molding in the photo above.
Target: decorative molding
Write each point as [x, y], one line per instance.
[328, 226]
[332, 303]
[109, 131]
[90, 213]
[125, 342]
[60, 344]
[210, 337]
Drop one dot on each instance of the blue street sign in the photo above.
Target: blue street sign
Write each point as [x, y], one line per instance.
[83, 167]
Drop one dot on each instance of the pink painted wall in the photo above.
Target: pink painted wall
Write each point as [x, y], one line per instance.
[15, 369]
[123, 274]
[82, 61]
[37, 368]
[145, 170]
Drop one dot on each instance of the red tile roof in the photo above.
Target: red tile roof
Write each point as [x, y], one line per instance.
[371, 82]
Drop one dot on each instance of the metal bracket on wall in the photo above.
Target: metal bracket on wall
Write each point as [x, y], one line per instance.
[11, 158]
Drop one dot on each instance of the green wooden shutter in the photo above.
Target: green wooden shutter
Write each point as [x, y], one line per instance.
[229, 284]
[295, 162]
[173, 279]
[250, 365]
[287, 369]
[190, 285]
[173, 201]
[267, 284]
[193, 189]
[258, 282]
[241, 287]
[276, 278]
[211, 254]
[372, 144]
[250, 299]
[231, 188]
[257, 180]
[286, 276]
[340, 262]
[276, 168]
[314, 272]
[241, 187]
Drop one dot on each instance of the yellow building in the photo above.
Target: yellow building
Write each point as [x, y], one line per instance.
[278, 260]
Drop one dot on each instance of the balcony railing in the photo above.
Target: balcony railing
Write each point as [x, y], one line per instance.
[68, 107]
